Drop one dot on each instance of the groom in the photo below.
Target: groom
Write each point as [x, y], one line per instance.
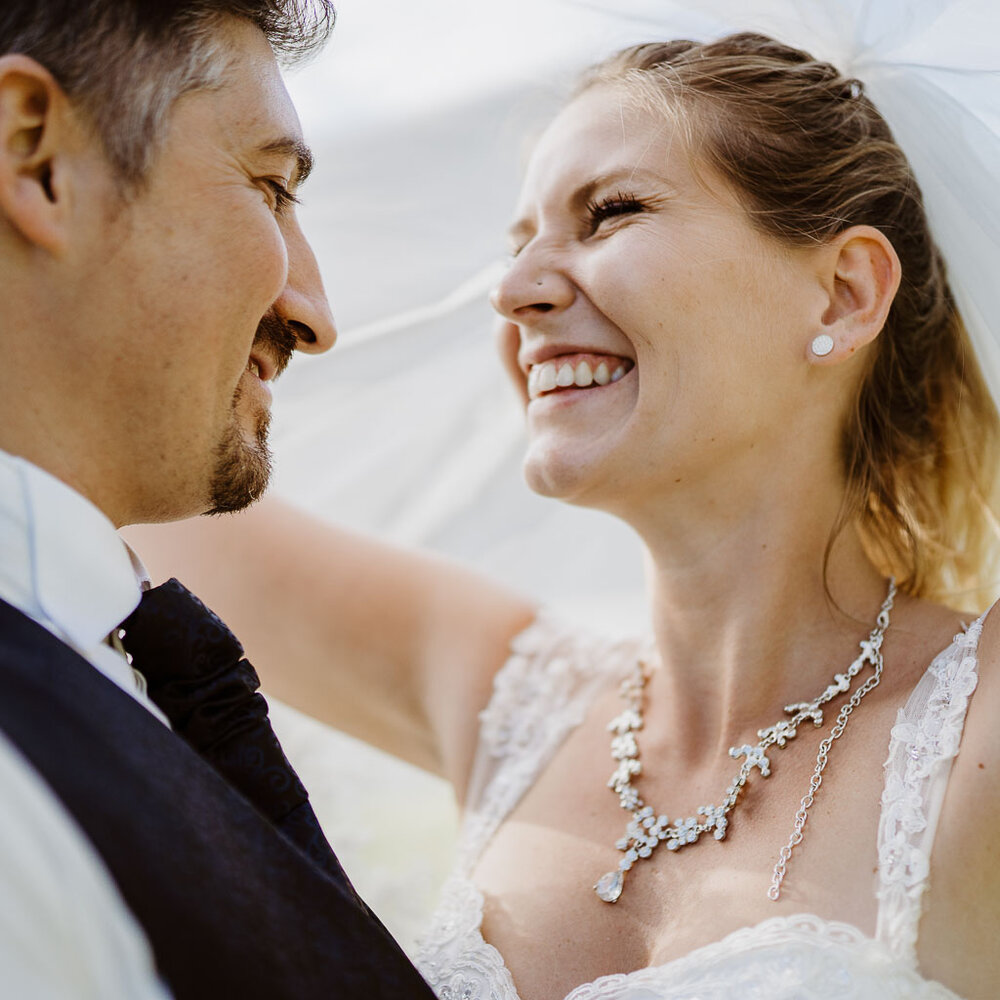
[154, 841]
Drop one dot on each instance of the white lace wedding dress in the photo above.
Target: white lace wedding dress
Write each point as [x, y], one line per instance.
[543, 691]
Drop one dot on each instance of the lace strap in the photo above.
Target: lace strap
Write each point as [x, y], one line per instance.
[540, 694]
[923, 745]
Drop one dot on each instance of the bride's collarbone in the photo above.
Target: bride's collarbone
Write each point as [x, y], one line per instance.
[555, 934]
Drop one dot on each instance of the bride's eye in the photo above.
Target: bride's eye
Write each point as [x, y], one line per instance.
[612, 207]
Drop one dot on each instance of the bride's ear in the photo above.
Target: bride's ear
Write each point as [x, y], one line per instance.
[860, 273]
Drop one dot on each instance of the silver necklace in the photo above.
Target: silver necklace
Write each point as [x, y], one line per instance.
[646, 830]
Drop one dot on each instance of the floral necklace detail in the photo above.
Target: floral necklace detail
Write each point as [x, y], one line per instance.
[646, 829]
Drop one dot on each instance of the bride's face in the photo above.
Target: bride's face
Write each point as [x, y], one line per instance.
[640, 280]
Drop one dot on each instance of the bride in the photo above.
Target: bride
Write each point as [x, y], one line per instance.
[732, 330]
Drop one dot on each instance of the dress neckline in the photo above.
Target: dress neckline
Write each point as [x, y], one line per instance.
[807, 928]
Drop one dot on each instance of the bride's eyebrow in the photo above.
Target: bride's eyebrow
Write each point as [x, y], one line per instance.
[582, 195]
[623, 177]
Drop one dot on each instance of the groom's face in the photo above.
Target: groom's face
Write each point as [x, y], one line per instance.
[208, 285]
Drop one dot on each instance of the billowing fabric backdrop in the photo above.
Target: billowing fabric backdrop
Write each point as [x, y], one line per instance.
[421, 113]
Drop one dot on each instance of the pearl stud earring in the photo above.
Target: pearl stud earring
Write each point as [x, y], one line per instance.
[822, 345]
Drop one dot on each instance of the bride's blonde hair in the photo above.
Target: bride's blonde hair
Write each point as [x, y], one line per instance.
[809, 156]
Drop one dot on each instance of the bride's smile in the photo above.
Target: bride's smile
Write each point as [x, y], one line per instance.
[577, 370]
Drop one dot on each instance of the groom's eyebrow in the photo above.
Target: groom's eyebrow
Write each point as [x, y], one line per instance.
[294, 148]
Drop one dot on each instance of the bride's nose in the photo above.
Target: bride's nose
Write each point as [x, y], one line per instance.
[534, 286]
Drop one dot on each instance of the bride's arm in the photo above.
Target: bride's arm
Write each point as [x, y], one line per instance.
[398, 648]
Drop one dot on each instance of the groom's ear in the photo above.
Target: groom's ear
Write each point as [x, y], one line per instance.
[39, 131]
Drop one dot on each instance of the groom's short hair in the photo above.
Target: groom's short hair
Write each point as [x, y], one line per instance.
[125, 62]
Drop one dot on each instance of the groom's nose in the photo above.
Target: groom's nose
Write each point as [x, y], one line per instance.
[303, 304]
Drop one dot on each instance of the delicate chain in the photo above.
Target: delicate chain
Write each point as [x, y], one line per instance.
[646, 830]
[822, 757]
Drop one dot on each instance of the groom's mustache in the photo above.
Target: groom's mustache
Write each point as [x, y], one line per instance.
[277, 339]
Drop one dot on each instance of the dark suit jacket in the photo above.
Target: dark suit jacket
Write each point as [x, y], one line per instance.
[231, 906]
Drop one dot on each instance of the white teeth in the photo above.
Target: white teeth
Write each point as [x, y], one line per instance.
[550, 375]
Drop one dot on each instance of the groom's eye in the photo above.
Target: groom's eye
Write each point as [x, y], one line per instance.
[282, 197]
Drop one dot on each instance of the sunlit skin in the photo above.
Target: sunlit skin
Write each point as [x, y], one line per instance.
[146, 310]
[720, 447]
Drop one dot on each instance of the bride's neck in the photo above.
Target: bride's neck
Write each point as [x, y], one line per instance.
[749, 614]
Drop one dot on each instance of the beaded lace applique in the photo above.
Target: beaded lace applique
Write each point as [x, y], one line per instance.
[925, 740]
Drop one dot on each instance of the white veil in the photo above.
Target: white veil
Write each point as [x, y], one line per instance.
[932, 68]
[419, 114]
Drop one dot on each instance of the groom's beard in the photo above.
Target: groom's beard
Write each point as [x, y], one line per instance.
[243, 468]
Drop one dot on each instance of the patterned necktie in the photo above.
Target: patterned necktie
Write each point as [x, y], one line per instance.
[196, 674]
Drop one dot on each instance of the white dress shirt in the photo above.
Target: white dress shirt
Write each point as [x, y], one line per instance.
[65, 931]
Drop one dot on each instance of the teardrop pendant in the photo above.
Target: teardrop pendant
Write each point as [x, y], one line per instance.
[609, 887]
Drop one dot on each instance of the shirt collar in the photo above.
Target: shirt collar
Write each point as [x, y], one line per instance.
[75, 570]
